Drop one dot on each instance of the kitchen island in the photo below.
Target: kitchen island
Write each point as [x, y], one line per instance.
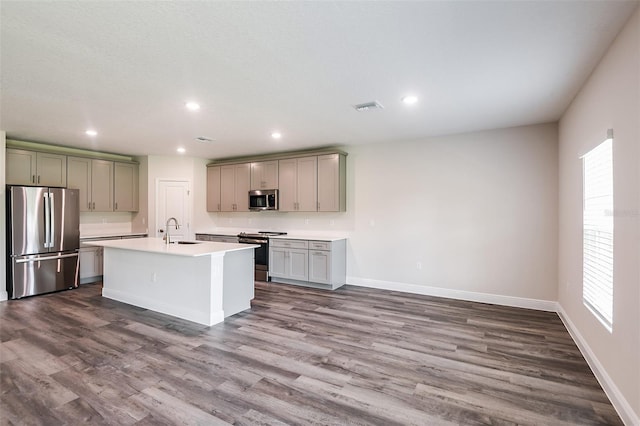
[203, 282]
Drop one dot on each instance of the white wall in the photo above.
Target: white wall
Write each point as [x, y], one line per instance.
[477, 210]
[3, 234]
[609, 99]
[178, 168]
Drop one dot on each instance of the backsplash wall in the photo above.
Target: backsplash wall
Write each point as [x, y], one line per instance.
[99, 223]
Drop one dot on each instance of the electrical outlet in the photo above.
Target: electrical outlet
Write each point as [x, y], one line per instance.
[419, 266]
[306, 221]
[154, 277]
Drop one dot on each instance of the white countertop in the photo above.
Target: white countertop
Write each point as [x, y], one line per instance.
[157, 245]
[294, 235]
[310, 237]
[113, 235]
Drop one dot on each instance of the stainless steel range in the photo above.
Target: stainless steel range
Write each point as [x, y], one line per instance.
[261, 253]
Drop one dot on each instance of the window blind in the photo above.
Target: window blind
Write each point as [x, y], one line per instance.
[597, 268]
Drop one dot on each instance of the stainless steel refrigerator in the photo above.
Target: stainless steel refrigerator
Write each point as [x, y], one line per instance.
[43, 239]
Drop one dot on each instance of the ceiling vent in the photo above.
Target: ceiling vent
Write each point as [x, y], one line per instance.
[368, 106]
[204, 139]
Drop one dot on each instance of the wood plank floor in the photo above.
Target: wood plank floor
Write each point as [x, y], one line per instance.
[300, 356]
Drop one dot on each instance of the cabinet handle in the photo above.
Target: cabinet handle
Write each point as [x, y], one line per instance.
[33, 178]
[38, 178]
[116, 206]
[318, 205]
[89, 207]
[218, 206]
[94, 205]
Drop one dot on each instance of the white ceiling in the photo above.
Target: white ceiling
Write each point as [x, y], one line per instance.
[127, 68]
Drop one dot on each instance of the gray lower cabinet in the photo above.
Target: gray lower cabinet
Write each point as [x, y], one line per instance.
[91, 258]
[90, 264]
[289, 259]
[311, 263]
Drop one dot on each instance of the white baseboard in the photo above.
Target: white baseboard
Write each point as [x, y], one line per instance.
[496, 299]
[622, 406]
[204, 318]
[3, 296]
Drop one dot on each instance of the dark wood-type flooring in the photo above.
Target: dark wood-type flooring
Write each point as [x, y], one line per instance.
[300, 356]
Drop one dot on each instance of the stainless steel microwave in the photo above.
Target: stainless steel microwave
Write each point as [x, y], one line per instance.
[263, 199]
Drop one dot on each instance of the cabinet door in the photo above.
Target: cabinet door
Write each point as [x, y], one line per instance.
[307, 182]
[287, 183]
[125, 187]
[52, 169]
[79, 177]
[277, 262]
[329, 188]
[101, 185]
[90, 263]
[320, 266]
[213, 189]
[243, 181]
[227, 188]
[21, 167]
[100, 261]
[264, 175]
[298, 264]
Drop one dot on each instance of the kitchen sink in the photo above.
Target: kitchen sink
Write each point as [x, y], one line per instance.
[187, 242]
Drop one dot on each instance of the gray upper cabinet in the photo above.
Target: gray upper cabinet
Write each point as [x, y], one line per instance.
[213, 189]
[94, 179]
[125, 187]
[332, 183]
[298, 180]
[102, 185]
[264, 175]
[307, 182]
[234, 187]
[79, 177]
[35, 168]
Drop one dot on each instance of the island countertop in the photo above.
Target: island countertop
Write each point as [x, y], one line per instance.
[157, 245]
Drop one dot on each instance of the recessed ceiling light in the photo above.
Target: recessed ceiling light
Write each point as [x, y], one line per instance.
[276, 135]
[91, 132]
[410, 99]
[192, 106]
[181, 150]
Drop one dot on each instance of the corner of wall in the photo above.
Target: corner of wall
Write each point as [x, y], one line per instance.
[3, 237]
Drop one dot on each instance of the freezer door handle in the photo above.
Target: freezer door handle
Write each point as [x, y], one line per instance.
[38, 259]
[52, 226]
[47, 220]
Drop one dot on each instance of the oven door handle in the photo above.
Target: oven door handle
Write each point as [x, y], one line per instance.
[250, 241]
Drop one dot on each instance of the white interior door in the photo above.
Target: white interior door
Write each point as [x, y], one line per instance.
[173, 200]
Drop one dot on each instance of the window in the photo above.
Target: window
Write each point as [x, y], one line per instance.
[597, 226]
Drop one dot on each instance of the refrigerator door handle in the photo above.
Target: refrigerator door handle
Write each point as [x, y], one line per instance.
[52, 218]
[38, 259]
[47, 220]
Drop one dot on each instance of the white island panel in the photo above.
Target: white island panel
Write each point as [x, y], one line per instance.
[202, 285]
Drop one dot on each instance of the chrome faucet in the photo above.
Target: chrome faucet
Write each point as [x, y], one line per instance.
[167, 237]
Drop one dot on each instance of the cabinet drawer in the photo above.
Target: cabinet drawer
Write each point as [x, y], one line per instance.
[299, 244]
[319, 245]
